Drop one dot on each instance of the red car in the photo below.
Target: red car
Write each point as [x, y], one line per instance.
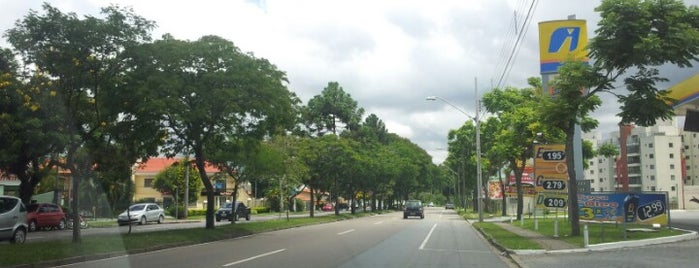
[327, 207]
[45, 215]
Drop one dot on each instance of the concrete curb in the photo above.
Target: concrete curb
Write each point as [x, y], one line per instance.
[614, 245]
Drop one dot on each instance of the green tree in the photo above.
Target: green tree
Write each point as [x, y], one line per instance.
[83, 58]
[633, 38]
[30, 123]
[172, 180]
[213, 98]
[520, 121]
[333, 105]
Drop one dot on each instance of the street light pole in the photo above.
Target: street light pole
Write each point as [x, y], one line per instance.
[478, 153]
[478, 145]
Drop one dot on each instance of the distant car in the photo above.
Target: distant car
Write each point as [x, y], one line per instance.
[430, 204]
[45, 215]
[327, 207]
[449, 206]
[225, 212]
[142, 213]
[13, 220]
[413, 208]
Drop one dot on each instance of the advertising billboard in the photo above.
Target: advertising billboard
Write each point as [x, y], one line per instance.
[495, 190]
[632, 207]
[551, 173]
[559, 41]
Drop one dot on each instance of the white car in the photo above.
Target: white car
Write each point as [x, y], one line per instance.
[13, 220]
[142, 213]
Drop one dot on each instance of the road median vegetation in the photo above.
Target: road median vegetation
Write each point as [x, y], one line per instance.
[598, 233]
[64, 251]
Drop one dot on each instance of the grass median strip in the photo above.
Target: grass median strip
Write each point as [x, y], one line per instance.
[597, 232]
[100, 246]
[505, 238]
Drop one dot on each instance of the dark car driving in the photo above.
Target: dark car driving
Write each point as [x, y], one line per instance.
[413, 208]
[225, 212]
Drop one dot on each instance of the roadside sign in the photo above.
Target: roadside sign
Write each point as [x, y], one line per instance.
[551, 174]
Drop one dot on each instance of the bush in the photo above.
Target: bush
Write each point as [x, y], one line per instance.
[261, 210]
[300, 205]
[197, 212]
[171, 211]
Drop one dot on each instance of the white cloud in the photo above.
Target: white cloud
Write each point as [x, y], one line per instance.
[389, 55]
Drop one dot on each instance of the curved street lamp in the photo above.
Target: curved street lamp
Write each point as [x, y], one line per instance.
[478, 146]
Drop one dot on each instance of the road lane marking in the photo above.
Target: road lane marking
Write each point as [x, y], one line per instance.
[254, 257]
[378, 222]
[424, 242]
[345, 232]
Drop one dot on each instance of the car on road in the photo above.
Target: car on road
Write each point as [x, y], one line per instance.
[46, 216]
[413, 208]
[327, 207]
[225, 212]
[13, 220]
[142, 213]
[449, 206]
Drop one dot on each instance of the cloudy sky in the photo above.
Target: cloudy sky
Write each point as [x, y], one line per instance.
[389, 55]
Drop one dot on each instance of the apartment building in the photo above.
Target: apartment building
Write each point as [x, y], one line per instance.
[690, 146]
[654, 160]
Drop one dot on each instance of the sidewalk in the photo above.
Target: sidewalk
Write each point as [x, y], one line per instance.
[553, 245]
[548, 243]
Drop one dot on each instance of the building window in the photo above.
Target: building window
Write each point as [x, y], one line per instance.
[148, 183]
[672, 166]
[669, 145]
[650, 156]
[672, 177]
[652, 188]
[652, 177]
[650, 145]
[672, 188]
[601, 180]
[651, 166]
[592, 171]
[672, 156]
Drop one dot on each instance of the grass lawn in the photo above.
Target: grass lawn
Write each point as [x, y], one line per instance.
[505, 238]
[119, 244]
[598, 232]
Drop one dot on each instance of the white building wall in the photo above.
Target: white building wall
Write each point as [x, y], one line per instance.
[690, 144]
[654, 157]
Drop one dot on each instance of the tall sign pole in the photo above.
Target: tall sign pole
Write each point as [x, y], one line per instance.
[479, 172]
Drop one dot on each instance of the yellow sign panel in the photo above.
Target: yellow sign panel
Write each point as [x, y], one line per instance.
[551, 174]
[561, 40]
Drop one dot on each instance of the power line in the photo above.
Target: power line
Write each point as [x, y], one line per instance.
[515, 48]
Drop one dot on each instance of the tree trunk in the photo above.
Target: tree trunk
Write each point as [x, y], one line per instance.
[234, 208]
[520, 193]
[504, 198]
[209, 190]
[313, 204]
[74, 204]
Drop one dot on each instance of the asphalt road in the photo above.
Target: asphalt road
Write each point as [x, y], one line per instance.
[169, 224]
[442, 239]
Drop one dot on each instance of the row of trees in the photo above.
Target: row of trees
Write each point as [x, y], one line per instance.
[94, 95]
